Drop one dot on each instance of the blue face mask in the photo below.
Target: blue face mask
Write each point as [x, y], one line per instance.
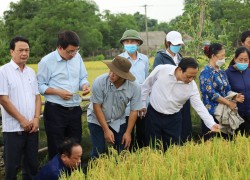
[241, 66]
[130, 48]
[175, 49]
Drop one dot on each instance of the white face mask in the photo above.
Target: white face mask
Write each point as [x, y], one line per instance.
[220, 62]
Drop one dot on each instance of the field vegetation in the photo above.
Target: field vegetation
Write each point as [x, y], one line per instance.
[214, 159]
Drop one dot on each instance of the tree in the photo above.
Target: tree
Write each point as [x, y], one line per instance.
[196, 23]
[118, 23]
[4, 50]
[41, 20]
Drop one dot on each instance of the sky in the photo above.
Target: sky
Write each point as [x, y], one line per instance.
[162, 10]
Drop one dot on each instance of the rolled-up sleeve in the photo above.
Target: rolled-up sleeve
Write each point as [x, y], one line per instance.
[43, 77]
[97, 92]
[135, 102]
[83, 75]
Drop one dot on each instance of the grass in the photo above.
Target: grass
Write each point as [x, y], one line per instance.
[214, 159]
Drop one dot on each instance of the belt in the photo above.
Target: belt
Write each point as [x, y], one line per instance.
[61, 107]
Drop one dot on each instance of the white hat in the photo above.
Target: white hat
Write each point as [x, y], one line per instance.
[174, 37]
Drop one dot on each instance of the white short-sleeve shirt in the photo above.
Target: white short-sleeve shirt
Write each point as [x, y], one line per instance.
[21, 88]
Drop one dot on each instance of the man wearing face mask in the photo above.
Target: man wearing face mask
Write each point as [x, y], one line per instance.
[214, 85]
[131, 40]
[171, 55]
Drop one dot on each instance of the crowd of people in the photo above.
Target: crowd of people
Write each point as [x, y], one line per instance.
[130, 108]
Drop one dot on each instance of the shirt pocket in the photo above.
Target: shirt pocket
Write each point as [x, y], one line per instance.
[12, 87]
[33, 86]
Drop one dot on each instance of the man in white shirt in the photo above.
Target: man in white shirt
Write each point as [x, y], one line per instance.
[21, 107]
[169, 88]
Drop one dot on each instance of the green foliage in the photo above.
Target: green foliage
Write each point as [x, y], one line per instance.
[100, 57]
[4, 45]
[221, 24]
[4, 52]
[95, 58]
[41, 20]
[117, 25]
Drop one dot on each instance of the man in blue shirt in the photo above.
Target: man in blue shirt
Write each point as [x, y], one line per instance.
[68, 159]
[131, 41]
[106, 114]
[61, 75]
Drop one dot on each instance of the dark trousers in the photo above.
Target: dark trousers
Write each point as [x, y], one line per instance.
[60, 123]
[186, 130]
[138, 139]
[207, 134]
[20, 147]
[98, 140]
[162, 127]
[245, 126]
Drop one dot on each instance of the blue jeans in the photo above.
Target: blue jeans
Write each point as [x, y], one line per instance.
[98, 140]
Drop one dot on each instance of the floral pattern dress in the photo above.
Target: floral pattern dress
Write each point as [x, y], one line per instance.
[213, 84]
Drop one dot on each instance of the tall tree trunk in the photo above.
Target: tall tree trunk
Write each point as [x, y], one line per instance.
[201, 24]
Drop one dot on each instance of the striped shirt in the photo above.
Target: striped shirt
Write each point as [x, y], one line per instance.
[21, 88]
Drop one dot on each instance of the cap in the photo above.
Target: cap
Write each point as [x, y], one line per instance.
[174, 37]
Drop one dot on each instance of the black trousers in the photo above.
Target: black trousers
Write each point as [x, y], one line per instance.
[138, 137]
[186, 130]
[20, 147]
[162, 128]
[60, 123]
[245, 126]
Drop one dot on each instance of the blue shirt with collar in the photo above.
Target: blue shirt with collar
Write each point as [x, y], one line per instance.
[240, 83]
[55, 72]
[139, 69]
[113, 100]
[53, 169]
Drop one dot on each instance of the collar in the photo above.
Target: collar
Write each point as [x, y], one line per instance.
[15, 66]
[168, 53]
[172, 73]
[63, 167]
[231, 68]
[58, 56]
[139, 56]
[211, 68]
[123, 86]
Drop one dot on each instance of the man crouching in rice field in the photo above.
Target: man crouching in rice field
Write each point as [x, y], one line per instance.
[106, 113]
[67, 160]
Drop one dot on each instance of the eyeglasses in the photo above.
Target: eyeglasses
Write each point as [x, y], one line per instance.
[20, 51]
[72, 52]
